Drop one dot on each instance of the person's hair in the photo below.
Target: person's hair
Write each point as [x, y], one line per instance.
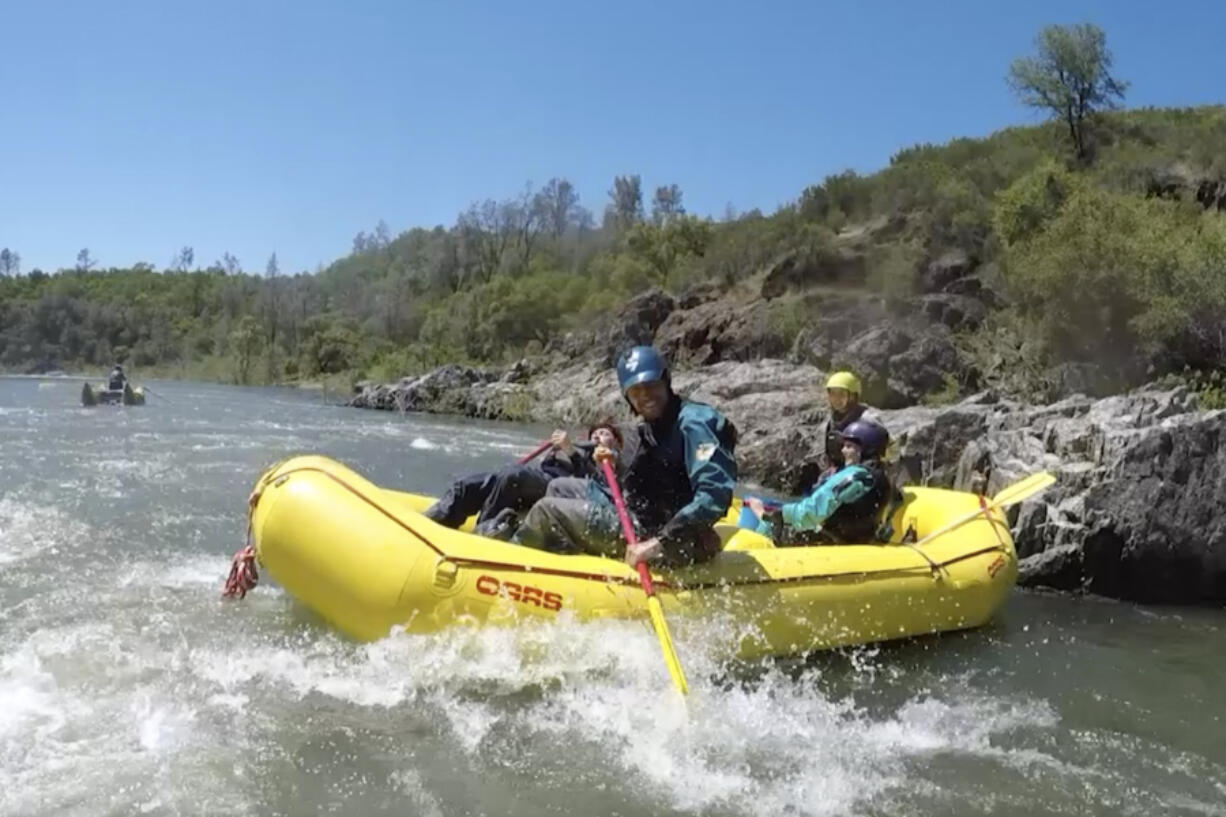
[605, 423]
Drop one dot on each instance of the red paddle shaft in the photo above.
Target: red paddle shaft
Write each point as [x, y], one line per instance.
[536, 452]
[627, 526]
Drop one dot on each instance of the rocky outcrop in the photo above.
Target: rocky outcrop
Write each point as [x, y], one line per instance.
[898, 363]
[841, 266]
[451, 389]
[1139, 508]
[1181, 182]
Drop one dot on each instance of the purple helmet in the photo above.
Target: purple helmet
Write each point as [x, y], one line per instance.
[871, 437]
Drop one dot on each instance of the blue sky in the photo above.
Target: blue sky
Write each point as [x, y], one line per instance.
[134, 128]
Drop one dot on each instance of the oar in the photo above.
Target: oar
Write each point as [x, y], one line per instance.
[653, 603]
[1009, 495]
[536, 452]
[155, 394]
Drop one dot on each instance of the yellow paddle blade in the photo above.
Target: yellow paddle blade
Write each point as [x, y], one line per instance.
[1022, 489]
[1009, 495]
[666, 645]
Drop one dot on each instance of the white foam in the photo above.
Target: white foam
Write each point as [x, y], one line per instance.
[778, 746]
[422, 444]
[31, 528]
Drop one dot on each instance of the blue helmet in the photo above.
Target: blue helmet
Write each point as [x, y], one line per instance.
[641, 364]
[872, 438]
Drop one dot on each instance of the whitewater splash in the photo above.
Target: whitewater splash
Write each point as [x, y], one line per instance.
[91, 700]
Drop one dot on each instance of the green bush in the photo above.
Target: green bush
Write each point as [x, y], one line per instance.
[1123, 281]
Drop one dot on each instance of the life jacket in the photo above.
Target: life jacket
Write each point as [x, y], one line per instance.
[833, 433]
[657, 481]
[856, 521]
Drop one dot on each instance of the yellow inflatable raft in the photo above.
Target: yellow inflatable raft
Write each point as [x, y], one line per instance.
[366, 560]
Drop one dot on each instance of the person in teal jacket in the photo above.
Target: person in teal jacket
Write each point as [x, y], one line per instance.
[677, 482]
[843, 507]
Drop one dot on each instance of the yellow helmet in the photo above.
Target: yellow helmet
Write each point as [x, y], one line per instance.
[844, 380]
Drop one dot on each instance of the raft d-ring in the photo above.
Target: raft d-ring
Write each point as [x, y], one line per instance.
[445, 573]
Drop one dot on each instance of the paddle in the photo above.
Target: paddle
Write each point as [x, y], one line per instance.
[653, 604]
[1009, 495]
[536, 452]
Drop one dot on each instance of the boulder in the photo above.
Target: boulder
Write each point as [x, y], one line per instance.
[942, 271]
[716, 331]
[899, 364]
[955, 312]
[636, 323]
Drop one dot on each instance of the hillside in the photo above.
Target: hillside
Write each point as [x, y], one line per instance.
[996, 261]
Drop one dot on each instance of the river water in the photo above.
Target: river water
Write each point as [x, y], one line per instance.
[128, 687]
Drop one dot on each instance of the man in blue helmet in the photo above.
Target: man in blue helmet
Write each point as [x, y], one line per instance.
[845, 505]
[677, 483]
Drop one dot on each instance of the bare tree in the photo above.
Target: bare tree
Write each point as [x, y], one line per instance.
[666, 204]
[524, 217]
[10, 262]
[270, 303]
[383, 235]
[182, 262]
[558, 205]
[485, 232]
[85, 261]
[626, 201]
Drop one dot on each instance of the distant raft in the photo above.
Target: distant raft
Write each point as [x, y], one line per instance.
[367, 561]
[93, 395]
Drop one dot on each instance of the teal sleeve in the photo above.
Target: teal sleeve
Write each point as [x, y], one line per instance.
[712, 471]
[844, 487]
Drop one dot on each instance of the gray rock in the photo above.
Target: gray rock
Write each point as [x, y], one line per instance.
[1059, 568]
[942, 271]
[796, 271]
[955, 312]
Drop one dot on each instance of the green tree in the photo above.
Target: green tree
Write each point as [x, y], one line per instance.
[1070, 77]
[661, 247]
[1026, 206]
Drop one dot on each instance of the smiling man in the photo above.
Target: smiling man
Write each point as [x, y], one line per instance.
[677, 485]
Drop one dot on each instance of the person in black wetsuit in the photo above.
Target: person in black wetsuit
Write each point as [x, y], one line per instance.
[497, 495]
